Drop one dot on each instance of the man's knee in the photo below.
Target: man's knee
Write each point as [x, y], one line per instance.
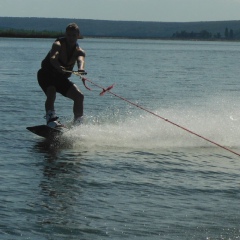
[51, 91]
[75, 94]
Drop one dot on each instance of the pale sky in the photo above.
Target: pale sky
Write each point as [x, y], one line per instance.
[131, 10]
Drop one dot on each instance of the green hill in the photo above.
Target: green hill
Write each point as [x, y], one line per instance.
[122, 29]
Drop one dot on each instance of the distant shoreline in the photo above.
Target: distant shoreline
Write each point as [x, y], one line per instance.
[12, 33]
[100, 37]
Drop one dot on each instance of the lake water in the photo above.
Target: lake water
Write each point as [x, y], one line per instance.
[124, 173]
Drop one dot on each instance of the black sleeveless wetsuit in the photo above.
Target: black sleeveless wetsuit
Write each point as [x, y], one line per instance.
[49, 76]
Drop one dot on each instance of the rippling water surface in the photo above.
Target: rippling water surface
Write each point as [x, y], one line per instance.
[125, 173]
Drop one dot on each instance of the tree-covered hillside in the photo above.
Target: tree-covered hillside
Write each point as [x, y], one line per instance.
[124, 29]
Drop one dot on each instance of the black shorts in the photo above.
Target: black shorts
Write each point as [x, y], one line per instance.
[47, 78]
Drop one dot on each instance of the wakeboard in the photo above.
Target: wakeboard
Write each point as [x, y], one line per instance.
[46, 131]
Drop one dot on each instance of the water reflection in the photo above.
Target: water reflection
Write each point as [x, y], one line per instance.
[60, 187]
[52, 148]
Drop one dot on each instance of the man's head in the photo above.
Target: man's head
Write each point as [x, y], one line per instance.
[72, 33]
[73, 27]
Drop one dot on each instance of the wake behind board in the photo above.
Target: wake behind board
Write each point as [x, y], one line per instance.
[46, 131]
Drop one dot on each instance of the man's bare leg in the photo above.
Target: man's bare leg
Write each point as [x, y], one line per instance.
[51, 96]
[51, 116]
[75, 94]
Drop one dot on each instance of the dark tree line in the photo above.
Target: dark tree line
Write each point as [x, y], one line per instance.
[29, 33]
[204, 34]
[228, 33]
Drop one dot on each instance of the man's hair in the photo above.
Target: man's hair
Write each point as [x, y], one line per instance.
[73, 26]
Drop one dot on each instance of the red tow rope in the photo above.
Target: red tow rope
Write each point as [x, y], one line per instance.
[146, 110]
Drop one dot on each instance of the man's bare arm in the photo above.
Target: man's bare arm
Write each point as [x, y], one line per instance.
[54, 54]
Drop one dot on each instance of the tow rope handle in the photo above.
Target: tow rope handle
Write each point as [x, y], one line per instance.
[104, 90]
